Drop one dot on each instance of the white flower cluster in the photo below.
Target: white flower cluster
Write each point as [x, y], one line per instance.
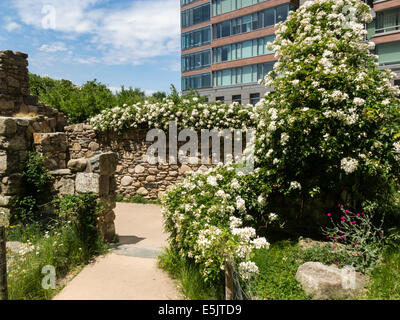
[207, 224]
[396, 150]
[188, 114]
[349, 165]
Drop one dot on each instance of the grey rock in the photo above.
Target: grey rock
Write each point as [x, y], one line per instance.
[126, 181]
[323, 282]
[77, 165]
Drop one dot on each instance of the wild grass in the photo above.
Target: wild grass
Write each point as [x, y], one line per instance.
[189, 278]
[61, 247]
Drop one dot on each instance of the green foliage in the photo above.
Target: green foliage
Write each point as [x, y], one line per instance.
[81, 211]
[36, 182]
[82, 102]
[328, 133]
[60, 246]
[207, 221]
[190, 280]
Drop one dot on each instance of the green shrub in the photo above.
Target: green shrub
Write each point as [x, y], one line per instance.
[329, 132]
[208, 223]
[36, 192]
[81, 211]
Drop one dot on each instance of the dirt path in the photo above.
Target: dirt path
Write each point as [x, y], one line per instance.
[130, 272]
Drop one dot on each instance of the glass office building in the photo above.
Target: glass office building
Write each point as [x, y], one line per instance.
[224, 51]
[224, 46]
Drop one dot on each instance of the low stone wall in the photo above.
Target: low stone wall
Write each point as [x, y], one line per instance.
[134, 175]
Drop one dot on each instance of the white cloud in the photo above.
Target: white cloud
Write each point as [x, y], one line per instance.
[132, 32]
[54, 47]
[12, 26]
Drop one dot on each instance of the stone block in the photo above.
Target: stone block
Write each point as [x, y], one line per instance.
[65, 186]
[92, 182]
[77, 165]
[104, 163]
[8, 126]
[6, 105]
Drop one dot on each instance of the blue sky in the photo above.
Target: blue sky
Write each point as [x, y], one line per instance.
[119, 42]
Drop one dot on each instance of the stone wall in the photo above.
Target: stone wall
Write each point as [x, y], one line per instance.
[134, 175]
[27, 125]
[15, 97]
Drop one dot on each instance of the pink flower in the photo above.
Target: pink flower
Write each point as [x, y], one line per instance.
[329, 214]
[336, 262]
[342, 237]
[347, 211]
[382, 234]
[358, 214]
[334, 238]
[338, 205]
[333, 248]
[343, 218]
[356, 243]
[327, 237]
[362, 213]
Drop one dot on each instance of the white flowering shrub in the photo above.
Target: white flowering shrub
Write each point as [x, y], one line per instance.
[331, 126]
[187, 113]
[207, 219]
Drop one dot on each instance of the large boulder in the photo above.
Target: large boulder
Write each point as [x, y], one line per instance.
[323, 282]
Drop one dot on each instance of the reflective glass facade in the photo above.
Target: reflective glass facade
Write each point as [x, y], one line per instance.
[241, 75]
[195, 15]
[196, 60]
[242, 50]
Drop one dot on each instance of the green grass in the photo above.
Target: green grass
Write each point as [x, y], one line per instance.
[62, 248]
[277, 271]
[385, 280]
[189, 278]
[136, 199]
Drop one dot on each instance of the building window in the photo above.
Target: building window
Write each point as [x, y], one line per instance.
[195, 61]
[198, 81]
[254, 21]
[237, 98]
[245, 74]
[389, 53]
[224, 6]
[196, 38]
[388, 20]
[195, 15]
[222, 99]
[241, 50]
[254, 98]
[186, 2]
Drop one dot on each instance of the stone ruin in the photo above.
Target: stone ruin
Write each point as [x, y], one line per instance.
[27, 125]
[79, 159]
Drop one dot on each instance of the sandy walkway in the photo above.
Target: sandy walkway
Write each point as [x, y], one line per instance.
[130, 272]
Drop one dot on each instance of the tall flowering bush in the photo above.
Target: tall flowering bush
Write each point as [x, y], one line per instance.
[187, 113]
[331, 127]
[208, 221]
